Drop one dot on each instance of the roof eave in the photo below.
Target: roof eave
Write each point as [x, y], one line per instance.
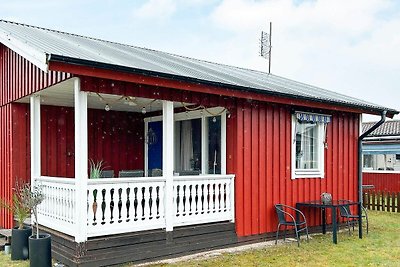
[118, 68]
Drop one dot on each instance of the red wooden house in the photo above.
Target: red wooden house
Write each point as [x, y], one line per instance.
[214, 146]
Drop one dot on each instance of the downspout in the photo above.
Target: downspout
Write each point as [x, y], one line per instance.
[360, 167]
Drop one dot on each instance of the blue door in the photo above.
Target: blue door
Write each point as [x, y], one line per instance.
[155, 146]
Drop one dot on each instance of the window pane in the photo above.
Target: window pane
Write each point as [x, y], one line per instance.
[214, 145]
[188, 147]
[368, 161]
[306, 145]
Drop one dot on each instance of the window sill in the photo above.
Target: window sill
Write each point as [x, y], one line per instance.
[308, 174]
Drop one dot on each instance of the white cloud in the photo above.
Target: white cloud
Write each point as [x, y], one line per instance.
[156, 9]
[162, 9]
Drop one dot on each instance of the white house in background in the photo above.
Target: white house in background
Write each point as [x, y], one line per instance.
[381, 149]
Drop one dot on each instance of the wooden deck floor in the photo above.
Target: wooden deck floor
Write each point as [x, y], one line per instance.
[142, 246]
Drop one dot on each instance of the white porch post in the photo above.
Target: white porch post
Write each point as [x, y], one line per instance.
[81, 162]
[168, 161]
[35, 138]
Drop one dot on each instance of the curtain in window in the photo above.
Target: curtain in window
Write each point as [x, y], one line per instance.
[186, 145]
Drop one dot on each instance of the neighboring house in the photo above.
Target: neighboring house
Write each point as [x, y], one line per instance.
[381, 148]
[215, 146]
[381, 156]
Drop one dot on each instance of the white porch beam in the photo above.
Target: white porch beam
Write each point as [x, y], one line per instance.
[81, 162]
[168, 161]
[35, 138]
[223, 143]
[204, 145]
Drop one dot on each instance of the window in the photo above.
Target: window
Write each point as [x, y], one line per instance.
[308, 135]
[190, 152]
[368, 162]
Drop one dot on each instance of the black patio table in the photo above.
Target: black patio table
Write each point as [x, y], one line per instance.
[317, 204]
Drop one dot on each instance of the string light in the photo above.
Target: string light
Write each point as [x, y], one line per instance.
[144, 110]
[201, 107]
[107, 107]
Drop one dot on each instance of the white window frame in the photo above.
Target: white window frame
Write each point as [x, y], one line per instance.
[196, 114]
[309, 173]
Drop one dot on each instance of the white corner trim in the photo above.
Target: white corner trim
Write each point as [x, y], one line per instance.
[35, 56]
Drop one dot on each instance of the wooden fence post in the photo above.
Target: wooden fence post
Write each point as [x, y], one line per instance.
[398, 201]
[373, 200]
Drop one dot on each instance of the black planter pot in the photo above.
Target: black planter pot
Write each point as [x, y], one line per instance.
[40, 250]
[19, 243]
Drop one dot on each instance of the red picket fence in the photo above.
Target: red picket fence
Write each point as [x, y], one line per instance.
[382, 180]
[382, 201]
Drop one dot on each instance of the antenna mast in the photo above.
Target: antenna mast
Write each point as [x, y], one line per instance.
[266, 46]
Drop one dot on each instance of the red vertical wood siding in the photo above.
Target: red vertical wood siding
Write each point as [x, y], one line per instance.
[384, 181]
[114, 137]
[19, 77]
[6, 175]
[263, 170]
[21, 142]
[117, 139]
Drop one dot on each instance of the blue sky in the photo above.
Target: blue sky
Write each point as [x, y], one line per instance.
[348, 46]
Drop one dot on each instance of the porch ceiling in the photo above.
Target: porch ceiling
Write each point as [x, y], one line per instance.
[62, 94]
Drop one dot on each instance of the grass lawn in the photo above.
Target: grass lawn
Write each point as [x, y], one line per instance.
[381, 247]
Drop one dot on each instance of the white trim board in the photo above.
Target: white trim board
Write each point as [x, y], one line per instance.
[35, 56]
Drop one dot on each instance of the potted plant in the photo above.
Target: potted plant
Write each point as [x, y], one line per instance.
[39, 244]
[20, 208]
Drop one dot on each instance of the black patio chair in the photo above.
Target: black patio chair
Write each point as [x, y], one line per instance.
[351, 219]
[289, 216]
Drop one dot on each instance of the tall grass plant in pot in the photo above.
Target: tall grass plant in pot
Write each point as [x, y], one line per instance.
[20, 207]
[96, 169]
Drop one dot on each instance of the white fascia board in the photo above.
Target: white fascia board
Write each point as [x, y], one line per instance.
[36, 57]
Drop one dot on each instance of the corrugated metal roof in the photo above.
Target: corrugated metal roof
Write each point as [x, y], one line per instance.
[58, 44]
[388, 128]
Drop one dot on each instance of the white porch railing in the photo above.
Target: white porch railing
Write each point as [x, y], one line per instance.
[125, 205]
[119, 205]
[57, 210]
[202, 199]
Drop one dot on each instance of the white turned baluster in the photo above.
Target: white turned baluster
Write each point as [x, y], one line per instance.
[124, 199]
[144, 205]
[152, 209]
[185, 200]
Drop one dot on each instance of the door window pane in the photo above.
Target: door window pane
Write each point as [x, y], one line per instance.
[214, 144]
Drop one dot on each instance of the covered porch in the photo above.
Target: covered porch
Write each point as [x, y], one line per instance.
[177, 175]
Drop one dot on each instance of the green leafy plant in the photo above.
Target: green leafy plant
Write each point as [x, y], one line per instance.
[20, 203]
[96, 168]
